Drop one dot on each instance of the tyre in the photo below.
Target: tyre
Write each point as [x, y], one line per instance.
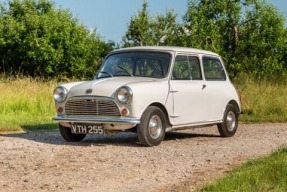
[68, 136]
[230, 122]
[151, 130]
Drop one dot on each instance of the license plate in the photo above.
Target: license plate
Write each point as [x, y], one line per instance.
[85, 129]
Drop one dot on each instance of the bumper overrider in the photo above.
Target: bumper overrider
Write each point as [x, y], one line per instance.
[112, 123]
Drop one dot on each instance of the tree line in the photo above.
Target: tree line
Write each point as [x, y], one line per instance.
[249, 34]
[39, 39]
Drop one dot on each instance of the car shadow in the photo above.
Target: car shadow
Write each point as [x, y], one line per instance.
[54, 138]
[48, 134]
[186, 135]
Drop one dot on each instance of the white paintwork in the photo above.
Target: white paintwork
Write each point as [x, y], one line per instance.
[187, 103]
[189, 100]
[167, 49]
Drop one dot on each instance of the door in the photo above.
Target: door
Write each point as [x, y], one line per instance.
[216, 87]
[188, 91]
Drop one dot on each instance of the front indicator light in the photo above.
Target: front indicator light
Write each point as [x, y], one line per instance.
[60, 110]
[124, 112]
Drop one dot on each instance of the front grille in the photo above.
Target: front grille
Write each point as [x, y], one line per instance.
[92, 107]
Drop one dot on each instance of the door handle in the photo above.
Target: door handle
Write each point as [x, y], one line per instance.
[203, 86]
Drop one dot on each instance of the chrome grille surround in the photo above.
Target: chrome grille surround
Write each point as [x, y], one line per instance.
[92, 106]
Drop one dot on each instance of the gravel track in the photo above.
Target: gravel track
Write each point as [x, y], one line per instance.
[42, 161]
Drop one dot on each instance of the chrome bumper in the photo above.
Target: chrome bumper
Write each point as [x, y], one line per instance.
[119, 120]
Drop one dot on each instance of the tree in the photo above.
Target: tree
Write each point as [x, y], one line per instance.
[247, 33]
[261, 48]
[146, 30]
[36, 39]
[139, 28]
[164, 29]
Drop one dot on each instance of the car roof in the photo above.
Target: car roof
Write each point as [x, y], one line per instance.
[166, 48]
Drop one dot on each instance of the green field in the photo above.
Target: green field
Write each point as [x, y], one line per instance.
[27, 104]
[265, 175]
[263, 101]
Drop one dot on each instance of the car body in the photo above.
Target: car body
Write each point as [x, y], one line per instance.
[151, 90]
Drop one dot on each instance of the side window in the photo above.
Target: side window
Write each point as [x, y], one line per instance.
[213, 69]
[181, 68]
[194, 68]
[186, 68]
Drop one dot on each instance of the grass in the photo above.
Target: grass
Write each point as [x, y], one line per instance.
[26, 104]
[263, 101]
[264, 174]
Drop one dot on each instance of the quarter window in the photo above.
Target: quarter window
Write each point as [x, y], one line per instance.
[213, 69]
[186, 68]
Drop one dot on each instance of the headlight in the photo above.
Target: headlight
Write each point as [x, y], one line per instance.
[60, 94]
[124, 95]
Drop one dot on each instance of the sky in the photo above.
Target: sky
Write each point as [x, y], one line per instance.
[111, 17]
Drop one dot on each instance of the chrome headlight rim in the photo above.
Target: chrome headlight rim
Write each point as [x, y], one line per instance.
[60, 94]
[124, 95]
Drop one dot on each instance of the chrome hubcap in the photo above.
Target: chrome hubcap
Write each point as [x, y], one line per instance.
[155, 126]
[231, 121]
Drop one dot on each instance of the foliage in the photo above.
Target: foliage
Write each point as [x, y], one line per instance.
[139, 25]
[265, 174]
[249, 34]
[37, 39]
[146, 30]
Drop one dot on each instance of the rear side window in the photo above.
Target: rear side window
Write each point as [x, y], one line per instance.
[213, 69]
[186, 68]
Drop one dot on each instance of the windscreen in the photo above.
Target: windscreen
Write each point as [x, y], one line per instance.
[140, 64]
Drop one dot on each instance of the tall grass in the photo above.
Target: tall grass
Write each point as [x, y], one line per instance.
[26, 103]
[265, 174]
[263, 101]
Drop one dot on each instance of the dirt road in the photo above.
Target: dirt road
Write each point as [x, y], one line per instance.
[42, 161]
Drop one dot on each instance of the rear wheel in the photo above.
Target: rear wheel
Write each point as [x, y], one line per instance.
[68, 136]
[230, 122]
[151, 130]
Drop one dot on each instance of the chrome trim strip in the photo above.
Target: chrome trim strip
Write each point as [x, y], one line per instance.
[97, 119]
[194, 125]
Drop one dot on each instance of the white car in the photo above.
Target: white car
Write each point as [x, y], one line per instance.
[151, 90]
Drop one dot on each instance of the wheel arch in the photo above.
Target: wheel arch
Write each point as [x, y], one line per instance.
[235, 104]
[162, 107]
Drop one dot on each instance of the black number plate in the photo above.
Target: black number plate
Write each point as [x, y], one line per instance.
[86, 128]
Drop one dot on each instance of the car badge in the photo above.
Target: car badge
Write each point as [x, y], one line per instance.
[89, 91]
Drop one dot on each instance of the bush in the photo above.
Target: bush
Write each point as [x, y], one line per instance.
[36, 39]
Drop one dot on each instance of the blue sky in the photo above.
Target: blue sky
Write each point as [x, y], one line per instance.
[111, 17]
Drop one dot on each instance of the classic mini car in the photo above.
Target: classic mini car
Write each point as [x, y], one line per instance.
[151, 90]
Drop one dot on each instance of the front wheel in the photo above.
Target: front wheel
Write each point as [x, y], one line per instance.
[230, 122]
[151, 130]
[68, 136]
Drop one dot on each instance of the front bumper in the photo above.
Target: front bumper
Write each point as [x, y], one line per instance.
[117, 123]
